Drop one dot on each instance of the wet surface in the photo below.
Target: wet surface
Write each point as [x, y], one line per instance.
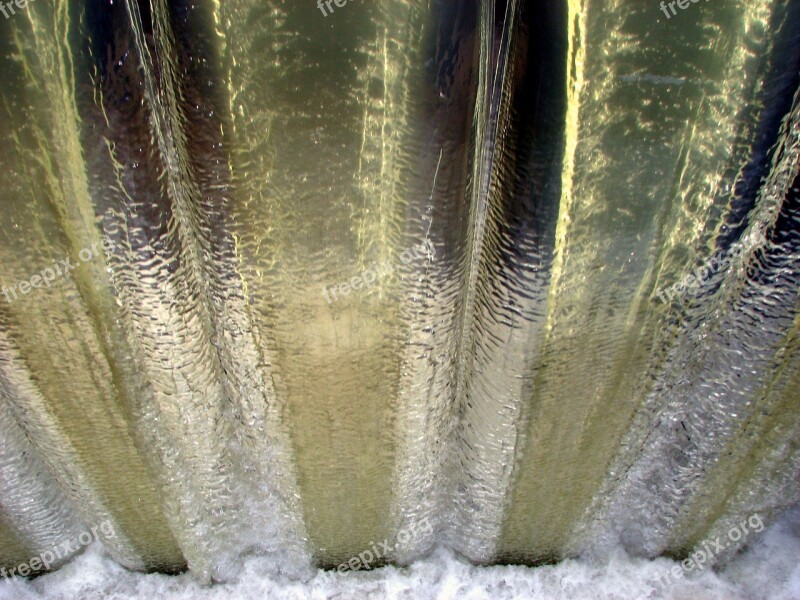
[412, 272]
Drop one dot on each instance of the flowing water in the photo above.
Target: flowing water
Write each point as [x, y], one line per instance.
[400, 273]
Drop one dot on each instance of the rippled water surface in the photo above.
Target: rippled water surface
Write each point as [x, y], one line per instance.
[516, 277]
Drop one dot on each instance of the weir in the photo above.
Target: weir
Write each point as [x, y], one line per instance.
[219, 380]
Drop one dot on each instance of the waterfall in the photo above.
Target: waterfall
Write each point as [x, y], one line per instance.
[517, 278]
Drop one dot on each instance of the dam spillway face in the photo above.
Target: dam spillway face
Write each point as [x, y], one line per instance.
[518, 278]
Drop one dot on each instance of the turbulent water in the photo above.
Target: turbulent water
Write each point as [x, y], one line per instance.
[519, 278]
[767, 570]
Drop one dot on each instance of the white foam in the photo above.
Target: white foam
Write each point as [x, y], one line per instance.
[768, 569]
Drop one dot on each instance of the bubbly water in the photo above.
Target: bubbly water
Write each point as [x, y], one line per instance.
[767, 570]
[518, 278]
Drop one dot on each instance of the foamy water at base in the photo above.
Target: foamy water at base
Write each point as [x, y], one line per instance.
[767, 569]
